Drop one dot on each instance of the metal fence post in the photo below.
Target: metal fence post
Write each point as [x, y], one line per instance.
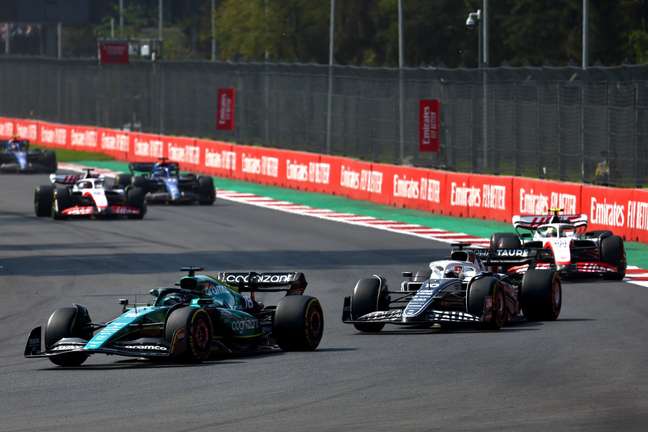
[329, 99]
[7, 46]
[636, 135]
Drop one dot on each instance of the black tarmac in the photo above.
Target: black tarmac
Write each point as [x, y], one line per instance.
[588, 371]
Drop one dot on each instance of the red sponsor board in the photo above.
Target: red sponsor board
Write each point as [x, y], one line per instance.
[226, 109]
[113, 52]
[637, 219]
[6, 128]
[496, 197]
[146, 147]
[218, 158]
[262, 165]
[415, 187]
[536, 197]
[306, 171]
[83, 138]
[26, 129]
[352, 178]
[185, 151]
[429, 125]
[607, 208]
[54, 135]
[114, 142]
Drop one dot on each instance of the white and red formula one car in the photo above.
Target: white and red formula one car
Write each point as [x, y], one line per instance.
[87, 195]
[574, 250]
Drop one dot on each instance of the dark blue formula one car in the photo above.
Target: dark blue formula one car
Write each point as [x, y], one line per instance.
[16, 157]
[164, 184]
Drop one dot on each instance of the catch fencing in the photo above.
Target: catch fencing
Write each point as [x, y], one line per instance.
[554, 123]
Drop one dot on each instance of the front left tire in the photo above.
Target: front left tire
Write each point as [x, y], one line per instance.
[68, 322]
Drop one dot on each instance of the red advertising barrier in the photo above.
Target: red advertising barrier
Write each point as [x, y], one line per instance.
[6, 128]
[113, 142]
[27, 129]
[637, 219]
[185, 151]
[218, 158]
[83, 138]
[624, 211]
[54, 135]
[146, 147]
[607, 208]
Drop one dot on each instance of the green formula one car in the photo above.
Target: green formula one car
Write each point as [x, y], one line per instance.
[200, 316]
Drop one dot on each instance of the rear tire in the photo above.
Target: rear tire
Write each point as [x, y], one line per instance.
[62, 200]
[613, 252]
[63, 323]
[298, 323]
[135, 197]
[123, 180]
[368, 297]
[206, 190]
[480, 293]
[43, 199]
[188, 331]
[505, 241]
[140, 182]
[541, 295]
[50, 161]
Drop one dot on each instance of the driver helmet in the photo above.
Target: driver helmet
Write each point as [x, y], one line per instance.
[454, 271]
[172, 299]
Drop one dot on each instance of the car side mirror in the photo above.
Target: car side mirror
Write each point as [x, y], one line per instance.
[155, 292]
[407, 274]
[123, 302]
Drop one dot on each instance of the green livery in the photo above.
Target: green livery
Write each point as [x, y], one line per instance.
[200, 316]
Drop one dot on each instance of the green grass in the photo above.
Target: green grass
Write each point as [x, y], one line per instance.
[64, 155]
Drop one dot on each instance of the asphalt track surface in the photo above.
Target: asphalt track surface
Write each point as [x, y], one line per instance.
[586, 371]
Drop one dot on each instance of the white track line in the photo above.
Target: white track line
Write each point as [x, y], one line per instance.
[403, 228]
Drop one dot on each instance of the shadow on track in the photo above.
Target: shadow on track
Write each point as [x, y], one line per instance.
[147, 263]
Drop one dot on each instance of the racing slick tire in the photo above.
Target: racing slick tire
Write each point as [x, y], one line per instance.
[298, 323]
[50, 161]
[188, 331]
[368, 297]
[206, 190]
[613, 252]
[477, 301]
[136, 197]
[43, 199]
[62, 200]
[505, 241]
[122, 181]
[140, 182]
[68, 322]
[541, 295]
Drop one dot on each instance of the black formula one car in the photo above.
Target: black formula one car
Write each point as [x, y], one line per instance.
[87, 194]
[16, 157]
[164, 184]
[200, 316]
[463, 289]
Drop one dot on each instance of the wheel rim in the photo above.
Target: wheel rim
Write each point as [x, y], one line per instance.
[313, 324]
[201, 335]
[498, 308]
[556, 297]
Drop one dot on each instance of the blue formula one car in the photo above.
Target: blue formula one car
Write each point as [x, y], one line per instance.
[16, 157]
[164, 184]
[200, 316]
